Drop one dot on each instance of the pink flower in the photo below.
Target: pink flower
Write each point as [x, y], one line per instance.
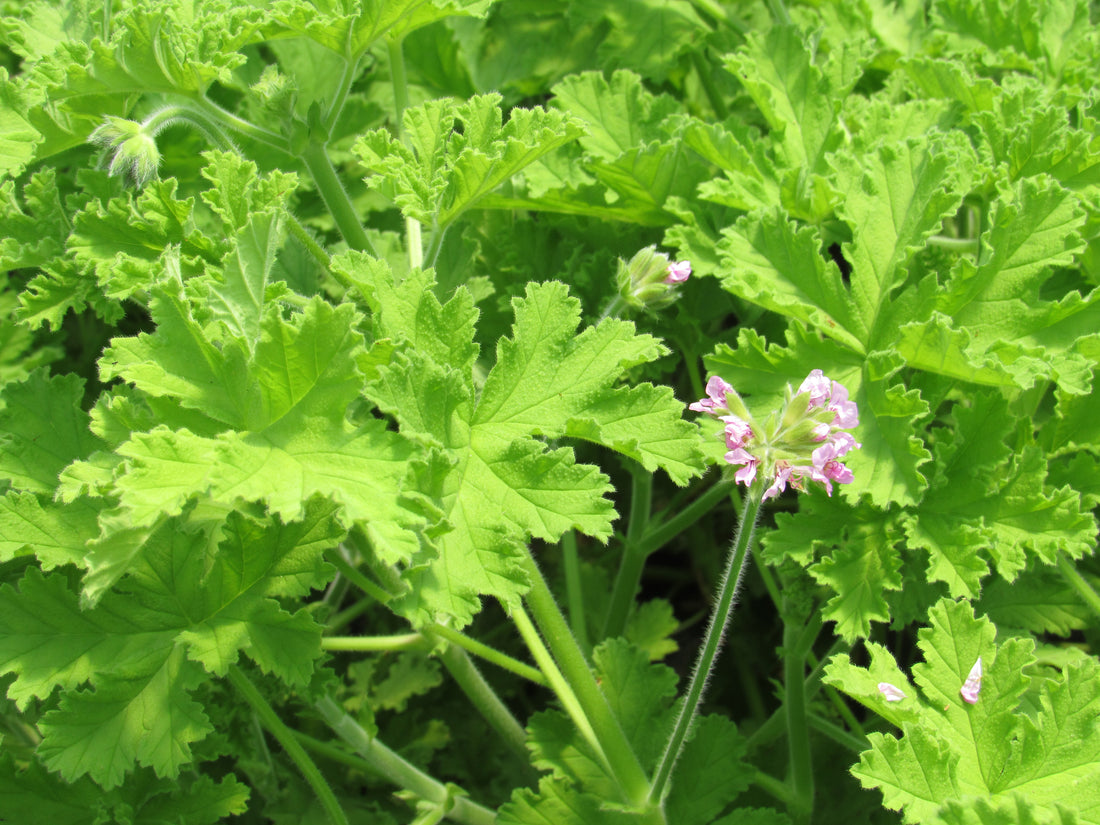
[715, 403]
[678, 272]
[847, 413]
[742, 456]
[818, 386]
[890, 693]
[782, 476]
[973, 684]
[738, 432]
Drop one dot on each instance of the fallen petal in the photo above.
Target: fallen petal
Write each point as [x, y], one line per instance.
[973, 684]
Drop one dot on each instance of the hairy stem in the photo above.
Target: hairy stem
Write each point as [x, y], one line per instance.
[716, 628]
[274, 725]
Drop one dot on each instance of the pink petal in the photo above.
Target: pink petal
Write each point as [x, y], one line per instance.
[890, 693]
[973, 684]
[678, 272]
[715, 403]
[818, 386]
[738, 432]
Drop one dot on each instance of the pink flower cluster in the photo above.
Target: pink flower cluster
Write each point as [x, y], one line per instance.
[804, 443]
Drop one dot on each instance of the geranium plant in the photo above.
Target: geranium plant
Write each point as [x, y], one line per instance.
[619, 411]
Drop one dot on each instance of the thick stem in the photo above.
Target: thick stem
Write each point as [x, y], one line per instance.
[1079, 583]
[558, 683]
[486, 700]
[336, 197]
[274, 725]
[574, 590]
[382, 760]
[632, 564]
[798, 732]
[716, 628]
[625, 767]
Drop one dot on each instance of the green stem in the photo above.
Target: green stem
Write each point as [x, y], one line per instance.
[856, 744]
[779, 12]
[1079, 583]
[661, 535]
[243, 126]
[352, 573]
[486, 700]
[274, 725]
[340, 96]
[399, 81]
[489, 654]
[624, 764]
[798, 734]
[380, 759]
[558, 683]
[957, 244]
[703, 68]
[312, 247]
[613, 308]
[366, 644]
[336, 197]
[632, 564]
[574, 590]
[716, 628]
[773, 786]
[346, 616]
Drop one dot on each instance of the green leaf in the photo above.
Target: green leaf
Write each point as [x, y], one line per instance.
[774, 264]
[893, 199]
[648, 36]
[144, 649]
[710, 774]
[239, 298]
[797, 99]
[349, 28]
[982, 496]
[442, 172]
[55, 534]
[42, 429]
[559, 803]
[998, 320]
[160, 47]
[548, 382]
[125, 241]
[990, 750]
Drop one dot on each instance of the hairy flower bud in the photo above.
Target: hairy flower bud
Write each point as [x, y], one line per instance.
[134, 148]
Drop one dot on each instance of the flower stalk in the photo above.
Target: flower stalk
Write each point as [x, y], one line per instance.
[736, 563]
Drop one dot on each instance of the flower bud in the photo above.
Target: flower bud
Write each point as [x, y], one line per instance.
[648, 280]
[134, 147]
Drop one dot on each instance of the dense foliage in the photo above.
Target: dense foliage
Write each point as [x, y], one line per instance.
[345, 340]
